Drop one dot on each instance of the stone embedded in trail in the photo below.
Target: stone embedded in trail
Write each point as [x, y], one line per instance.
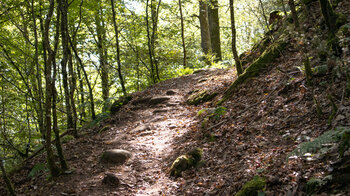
[200, 97]
[141, 128]
[115, 156]
[159, 111]
[158, 100]
[111, 179]
[170, 92]
[142, 100]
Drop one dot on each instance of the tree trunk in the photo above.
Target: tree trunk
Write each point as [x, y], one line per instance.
[234, 48]
[53, 53]
[7, 179]
[154, 16]
[38, 81]
[329, 16]
[152, 70]
[54, 171]
[102, 52]
[214, 28]
[204, 25]
[284, 8]
[122, 83]
[183, 34]
[64, 36]
[294, 13]
[91, 95]
[264, 15]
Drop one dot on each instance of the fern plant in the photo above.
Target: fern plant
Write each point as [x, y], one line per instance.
[323, 143]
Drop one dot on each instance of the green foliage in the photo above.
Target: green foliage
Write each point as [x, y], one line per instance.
[253, 187]
[321, 144]
[100, 117]
[38, 168]
[67, 138]
[344, 143]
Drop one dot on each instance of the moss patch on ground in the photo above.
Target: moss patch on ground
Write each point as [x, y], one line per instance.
[252, 187]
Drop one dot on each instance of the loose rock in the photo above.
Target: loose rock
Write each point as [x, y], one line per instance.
[115, 156]
[158, 100]
[111, 179]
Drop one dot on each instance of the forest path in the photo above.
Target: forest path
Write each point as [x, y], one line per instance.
[154, 127]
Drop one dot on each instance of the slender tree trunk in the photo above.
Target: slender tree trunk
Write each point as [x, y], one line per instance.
[234, 48]
[72, 87]
[183, 34]
[154, 15]
[7, 179]
[152, 70]
[91, 95]
[122, 83]
[214, 28]
[82, 97]
[329, 16]
[204, 25]
[294, 13]
[38, 82]
[264, 15]
[54, 171]
[102, 52]
[64, 39]
[53, 53]
[284, 8]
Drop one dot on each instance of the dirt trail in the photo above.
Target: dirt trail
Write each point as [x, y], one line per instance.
[153, 133]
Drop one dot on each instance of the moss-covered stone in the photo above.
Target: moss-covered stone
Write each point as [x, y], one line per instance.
[252, 187]
[200, 97]
[270, 54]
[119, 103]
[314, 185]
[341, 20]
[184, 162]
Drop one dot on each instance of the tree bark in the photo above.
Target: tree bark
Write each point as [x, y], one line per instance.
[329, 16]
[119, 69]
[294, 13]
[204, 25]
[234, 48]
[214, 28]
[91, 95]
[7, 179]
[149, 44]
[54, 171]
[63, 162]
[64, 39]
[183, 34]
[102, 51]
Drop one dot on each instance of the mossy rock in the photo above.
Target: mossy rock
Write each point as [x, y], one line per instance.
[200, 97]
[314, 185]
[184, 162]
[117, 105]
[270, 54]
[341, 20]
[253, 187]
[345, 29]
